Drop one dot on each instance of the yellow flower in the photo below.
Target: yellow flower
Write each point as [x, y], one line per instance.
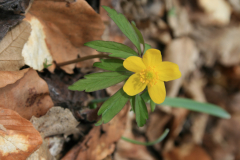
[150, 71]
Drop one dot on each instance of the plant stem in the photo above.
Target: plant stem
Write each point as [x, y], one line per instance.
[83, 59]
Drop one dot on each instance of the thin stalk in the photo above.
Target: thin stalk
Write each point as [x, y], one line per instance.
[83, 59]
[165, 133]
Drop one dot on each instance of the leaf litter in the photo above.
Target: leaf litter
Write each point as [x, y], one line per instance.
[197, 36]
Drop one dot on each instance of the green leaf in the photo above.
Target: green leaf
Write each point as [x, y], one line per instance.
[165, 133]
[140, 111]
[99, 122]
[45, 65]
[139, 34]
[124, 26]
[191, 105]
[147, 46]
[111, 65]
[152, 105]
[97, 81]
[117, 49]
[132, 102]
[113, 105]
[196, 106]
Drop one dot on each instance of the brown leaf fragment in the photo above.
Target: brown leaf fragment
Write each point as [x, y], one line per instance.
[187, 152]
[55, 122]
[7, 20]
[100, 141]
[11, 47]
[10, 77]
[2, 128]
[28, 96]
[20, 138]
[67, 28]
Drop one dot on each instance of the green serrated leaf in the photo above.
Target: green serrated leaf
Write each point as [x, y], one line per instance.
[111, 65]
[117, 49]
[140, 111]
[124, 26]
[139, 34]
[113, 105]
[147, 46]
[132, 102]
[196, 106]
[97, 81]
[152, 105]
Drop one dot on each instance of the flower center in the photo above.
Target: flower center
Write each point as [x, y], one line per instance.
[149, 76]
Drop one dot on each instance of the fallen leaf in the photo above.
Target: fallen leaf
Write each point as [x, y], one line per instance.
[42, 153]
[186, 58]
[28, 96]
[55, 122]
[10, 77]
[11, 47]
[187, 152]
[7, 20]
[126, 150]
[20, 138]
[218, 12]
[66, 28]
[35, 50]
[100, 141]
[2, 128]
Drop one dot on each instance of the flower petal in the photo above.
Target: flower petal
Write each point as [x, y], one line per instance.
[157, 92]
[133, 85]
[134, 64]
[168, 71]
[152, 57]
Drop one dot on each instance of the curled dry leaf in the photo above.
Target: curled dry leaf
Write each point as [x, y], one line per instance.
[11, 47]
[28, 96]
[20, 138]
[100, 141]
[65, 29]
[56, 121]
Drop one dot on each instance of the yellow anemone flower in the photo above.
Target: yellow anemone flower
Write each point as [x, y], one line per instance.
[150, 72]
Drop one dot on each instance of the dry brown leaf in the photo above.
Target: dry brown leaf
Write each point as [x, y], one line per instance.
[28, 96]
[20, 138]
[219, 45]
[126, 150]
[11, 47]
[218, 12]
[66, 28]
[42, 153]
[183, 52]
[187, 152]
[55, 122]
[100, 142]
[10, 77]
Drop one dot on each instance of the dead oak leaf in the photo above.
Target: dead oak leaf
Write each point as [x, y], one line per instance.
[28, 96]
[11, 47]
[20, 138]
[56, 121]
[66, 28]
